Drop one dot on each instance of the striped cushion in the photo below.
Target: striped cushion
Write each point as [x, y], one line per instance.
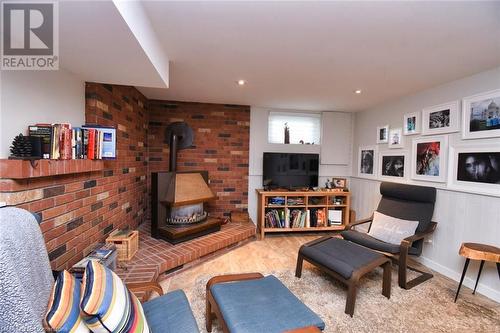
[63, 314]
[107, 305]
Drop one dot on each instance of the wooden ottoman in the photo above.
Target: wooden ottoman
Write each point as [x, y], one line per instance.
[346, 262]
[252, 303]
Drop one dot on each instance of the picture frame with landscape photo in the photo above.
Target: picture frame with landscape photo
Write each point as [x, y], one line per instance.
[441, 119]
[428, 159]
[475, 168]
[481, 115]
[392, 165]
[411, 123]
[383, 134]
[367, 161]
[396, 139]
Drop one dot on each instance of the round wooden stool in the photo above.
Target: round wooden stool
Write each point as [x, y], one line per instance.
[481, 252]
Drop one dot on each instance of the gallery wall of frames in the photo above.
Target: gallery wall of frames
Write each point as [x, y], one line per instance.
[467, 164]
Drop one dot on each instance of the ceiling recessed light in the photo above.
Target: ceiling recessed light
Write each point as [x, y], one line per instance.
[357, 91]
[241, 82]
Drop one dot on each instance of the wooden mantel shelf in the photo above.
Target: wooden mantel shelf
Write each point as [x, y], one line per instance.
[22, 169]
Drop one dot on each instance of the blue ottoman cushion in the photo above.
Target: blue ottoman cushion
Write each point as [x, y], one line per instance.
[170, 313]
[262, 305]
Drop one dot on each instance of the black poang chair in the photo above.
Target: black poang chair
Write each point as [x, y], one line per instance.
[407, 202]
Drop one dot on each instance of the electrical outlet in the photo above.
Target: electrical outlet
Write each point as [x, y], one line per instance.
[428, 241]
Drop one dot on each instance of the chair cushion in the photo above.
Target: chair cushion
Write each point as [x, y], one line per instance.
[262, 305]
[107, 305]
[391, 229]
[408, 202]
[340, 256]
[63, 314]
[366, 240]
[170, 313]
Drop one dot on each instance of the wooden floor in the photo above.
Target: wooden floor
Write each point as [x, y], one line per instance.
[275, 252]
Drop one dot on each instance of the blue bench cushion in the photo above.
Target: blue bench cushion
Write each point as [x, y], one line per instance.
[340, 255]
[262, 305]
[170, 313]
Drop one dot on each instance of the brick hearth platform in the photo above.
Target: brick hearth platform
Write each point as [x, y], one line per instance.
[156, 257]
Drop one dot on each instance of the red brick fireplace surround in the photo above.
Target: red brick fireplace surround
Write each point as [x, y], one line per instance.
[82, 202]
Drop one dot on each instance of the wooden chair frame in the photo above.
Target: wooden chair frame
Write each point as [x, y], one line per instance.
[212, 309]
[402, 258]
[352, 282]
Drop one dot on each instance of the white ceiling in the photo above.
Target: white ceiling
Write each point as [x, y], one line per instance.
[97, 45]
[305, 55]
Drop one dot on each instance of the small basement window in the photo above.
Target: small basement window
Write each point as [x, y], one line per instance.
[303, 128]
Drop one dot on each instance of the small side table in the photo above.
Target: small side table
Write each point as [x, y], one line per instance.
[481, 252]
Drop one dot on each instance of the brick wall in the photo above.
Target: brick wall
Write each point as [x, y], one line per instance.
[221, 146]
[81, 209]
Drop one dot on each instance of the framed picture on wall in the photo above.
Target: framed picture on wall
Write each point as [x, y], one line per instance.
[481, 115]
[383, 134]
[411, 123]
[440, 119]
[396, 138]
[428, 159]
[392, 165]
[367, 160]
[475, 169]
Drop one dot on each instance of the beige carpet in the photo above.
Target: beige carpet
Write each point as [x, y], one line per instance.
[425, 308]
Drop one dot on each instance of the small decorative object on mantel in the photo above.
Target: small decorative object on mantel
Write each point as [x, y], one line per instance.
[21, 148]
[287, 134]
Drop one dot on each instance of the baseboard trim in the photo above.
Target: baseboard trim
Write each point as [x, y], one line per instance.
[481, 288]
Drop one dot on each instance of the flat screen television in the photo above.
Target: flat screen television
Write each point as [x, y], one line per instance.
[290, 170]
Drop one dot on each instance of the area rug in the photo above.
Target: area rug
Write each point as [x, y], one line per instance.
[428, 307]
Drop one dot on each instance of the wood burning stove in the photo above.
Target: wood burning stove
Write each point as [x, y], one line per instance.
[177, 207]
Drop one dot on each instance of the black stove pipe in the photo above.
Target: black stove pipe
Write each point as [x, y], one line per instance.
[173, 153]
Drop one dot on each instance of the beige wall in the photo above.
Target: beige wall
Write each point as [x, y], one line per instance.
[29, 97]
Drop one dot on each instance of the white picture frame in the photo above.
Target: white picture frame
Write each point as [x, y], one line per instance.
[441, 119]
[364, 162]
[476, 115]
[381, 130]
[411, 123]
[429, 157]
[458, 172]
[396, 139]
[388, 168]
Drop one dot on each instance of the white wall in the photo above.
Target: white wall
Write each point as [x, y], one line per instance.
[461, 216]
[29, 97]
[259, 144]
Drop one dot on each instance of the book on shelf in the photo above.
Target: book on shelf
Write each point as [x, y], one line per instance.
[335, 216]
[44, 132]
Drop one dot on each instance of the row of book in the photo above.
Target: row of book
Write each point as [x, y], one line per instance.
[306, 218]
[63, 142]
